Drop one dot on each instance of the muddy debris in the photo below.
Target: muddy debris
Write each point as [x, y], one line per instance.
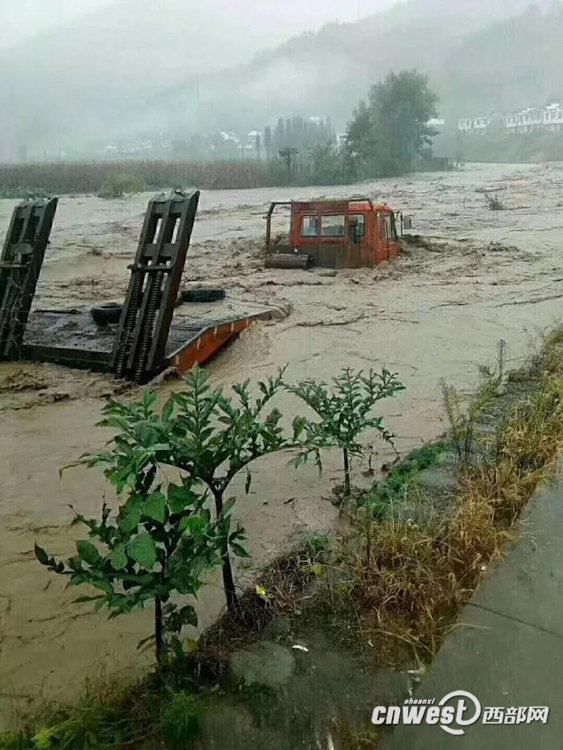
[21, 380]
[500, 247]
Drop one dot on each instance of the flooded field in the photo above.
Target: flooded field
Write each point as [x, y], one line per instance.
[438, 311]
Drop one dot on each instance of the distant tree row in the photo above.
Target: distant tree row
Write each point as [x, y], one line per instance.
[387, 135]
[298, 132]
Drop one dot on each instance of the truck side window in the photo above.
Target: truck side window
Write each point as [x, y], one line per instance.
[390, 231]
[309, 226]
[357, 226]
[333, 226]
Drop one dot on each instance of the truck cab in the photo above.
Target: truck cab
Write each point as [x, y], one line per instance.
[339, 233]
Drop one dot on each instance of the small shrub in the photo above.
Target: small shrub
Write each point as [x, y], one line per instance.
[395, 485]
[117, 185]
[494, 202]
[181, 721]
[464, 418]
[346, 411]
[12, 741]
[159, 543]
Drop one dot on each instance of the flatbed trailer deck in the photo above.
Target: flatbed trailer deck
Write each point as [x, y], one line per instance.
[74, 340]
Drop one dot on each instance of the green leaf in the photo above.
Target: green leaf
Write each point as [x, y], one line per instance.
[184, 582]
[148, 641]
[190, 645]
[179, 498]
[239, 550]
[188, 615]
[105, 586]
[228, 507]
[75, 563]
[41, 555]
[160, 447]
[168, 409]
[142, 550]
[195, 524]
[262, 593]
[88, 552]
[155, 507]
[148, 398]
[130, 520]
[118, 558]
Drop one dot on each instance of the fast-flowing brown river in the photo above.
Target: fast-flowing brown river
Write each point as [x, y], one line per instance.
[436, 312]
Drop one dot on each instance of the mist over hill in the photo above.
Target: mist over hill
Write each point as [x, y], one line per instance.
[164, 70]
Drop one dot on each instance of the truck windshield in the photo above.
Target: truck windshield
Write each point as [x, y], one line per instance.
[333, 226]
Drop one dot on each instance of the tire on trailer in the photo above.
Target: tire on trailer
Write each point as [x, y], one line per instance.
[202, 295]
[110, 312]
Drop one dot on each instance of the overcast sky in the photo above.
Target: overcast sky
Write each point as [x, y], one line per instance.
[22, 19]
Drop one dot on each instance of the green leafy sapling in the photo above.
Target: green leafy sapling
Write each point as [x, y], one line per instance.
[346, 410]
[214, 436]
[160, 541]
[210, 437]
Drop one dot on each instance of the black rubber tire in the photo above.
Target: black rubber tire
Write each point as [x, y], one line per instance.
[109, 312]
[202, 295]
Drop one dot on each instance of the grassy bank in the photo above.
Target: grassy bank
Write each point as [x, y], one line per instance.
[121, 177]
[116, 178]
[415, 566]
[387, 591]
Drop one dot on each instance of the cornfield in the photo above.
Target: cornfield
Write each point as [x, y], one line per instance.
[19, 180]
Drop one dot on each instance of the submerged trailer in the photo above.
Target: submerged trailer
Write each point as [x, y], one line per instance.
[148, 335]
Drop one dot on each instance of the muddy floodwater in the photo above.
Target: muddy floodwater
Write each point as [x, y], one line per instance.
[438, 311]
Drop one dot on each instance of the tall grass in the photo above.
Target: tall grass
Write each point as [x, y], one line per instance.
[17, 180]
[409, 580]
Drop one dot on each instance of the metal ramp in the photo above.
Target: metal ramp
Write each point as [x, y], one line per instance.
[156, 273]
[20, 265]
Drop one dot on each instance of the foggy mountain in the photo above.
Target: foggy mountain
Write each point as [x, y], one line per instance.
[134, 69]
[88, 79]
[478, 56]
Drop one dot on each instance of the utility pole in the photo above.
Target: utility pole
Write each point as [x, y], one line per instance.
[287, 155]
[197, 102]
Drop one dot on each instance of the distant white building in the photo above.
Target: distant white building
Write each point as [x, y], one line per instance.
[229, 137]
[525, 121]
[474, 124]
[553, 116]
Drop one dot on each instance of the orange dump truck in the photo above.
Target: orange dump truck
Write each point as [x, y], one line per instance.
[336, 234]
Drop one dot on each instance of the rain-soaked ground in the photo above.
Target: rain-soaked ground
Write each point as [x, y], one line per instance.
[436, 312]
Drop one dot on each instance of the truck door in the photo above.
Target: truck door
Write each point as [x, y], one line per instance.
[392, 236]
[359, 251]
